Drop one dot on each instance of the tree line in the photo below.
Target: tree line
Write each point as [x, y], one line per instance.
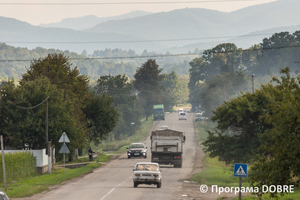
[93, 67]
[85, 113]
[225, 70]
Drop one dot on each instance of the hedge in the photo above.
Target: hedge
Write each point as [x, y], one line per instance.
[18, 165]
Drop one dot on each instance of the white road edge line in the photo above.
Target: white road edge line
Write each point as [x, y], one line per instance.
[114, 189]
[174, 125]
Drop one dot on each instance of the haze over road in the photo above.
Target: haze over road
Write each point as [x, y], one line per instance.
[114, 180]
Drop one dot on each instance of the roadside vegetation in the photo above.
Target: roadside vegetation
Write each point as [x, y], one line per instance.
[253, 96]
[216, 172]
[38, 183]
[121, 145]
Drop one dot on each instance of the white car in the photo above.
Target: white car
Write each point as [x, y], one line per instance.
[182, 116]
[147, 173]
[3, 196]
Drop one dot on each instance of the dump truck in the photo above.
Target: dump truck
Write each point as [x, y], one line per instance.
[167, 147]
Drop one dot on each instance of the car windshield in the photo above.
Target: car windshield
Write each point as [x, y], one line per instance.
[182, 113]
[132, 146]
[147, 167]
[198, 115]
[158, 110]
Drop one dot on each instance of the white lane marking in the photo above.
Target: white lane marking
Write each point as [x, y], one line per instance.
[174, 125]
[114, 188]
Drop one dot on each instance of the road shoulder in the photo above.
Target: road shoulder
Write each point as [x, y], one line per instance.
[189, 190]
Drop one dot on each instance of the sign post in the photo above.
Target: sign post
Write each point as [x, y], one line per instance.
[240, 170]
[64, 149]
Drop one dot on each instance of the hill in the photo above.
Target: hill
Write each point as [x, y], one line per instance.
[22, 34]
[85, 22]
[159, 31]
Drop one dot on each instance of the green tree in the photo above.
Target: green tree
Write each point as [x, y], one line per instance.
[147, 82]
[224, 58]
[184, 80]
[57, 68]
[197, 72]
[280, 164]
[172, 91]
[281, 49]
[102, 116]
[240, 121]
[221, 88]
[25, 128]
[221, 60]
[125, 101]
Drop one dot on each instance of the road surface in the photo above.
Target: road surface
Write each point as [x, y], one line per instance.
[114, 180]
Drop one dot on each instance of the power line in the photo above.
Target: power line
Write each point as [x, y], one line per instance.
[122, 3]
[107, 58]
[29, 108]
[158, 56]
[140, 41]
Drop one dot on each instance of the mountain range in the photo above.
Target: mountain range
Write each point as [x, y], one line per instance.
[85, 22]
[178, 30]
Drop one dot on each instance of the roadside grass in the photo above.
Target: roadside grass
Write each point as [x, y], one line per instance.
[202, 127]
[39, 183]
[215, 172]
[100, 158]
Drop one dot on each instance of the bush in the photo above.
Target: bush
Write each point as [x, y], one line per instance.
[18, 165]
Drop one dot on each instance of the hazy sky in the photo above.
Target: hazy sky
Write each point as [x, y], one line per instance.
[39, 11]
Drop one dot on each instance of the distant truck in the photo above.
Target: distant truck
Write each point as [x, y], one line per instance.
[167, 147]
[158, 112]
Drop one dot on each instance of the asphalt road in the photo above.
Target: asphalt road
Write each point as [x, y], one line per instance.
[114, 180]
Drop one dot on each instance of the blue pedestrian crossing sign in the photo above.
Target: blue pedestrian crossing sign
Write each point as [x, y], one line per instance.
[240, 170]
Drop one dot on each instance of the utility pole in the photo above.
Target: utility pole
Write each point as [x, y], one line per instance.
[48, 143]
[2, 150]
[253, 83]
[49, 156]
[46, 127]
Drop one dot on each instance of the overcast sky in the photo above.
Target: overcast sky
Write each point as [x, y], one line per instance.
[36, 12]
